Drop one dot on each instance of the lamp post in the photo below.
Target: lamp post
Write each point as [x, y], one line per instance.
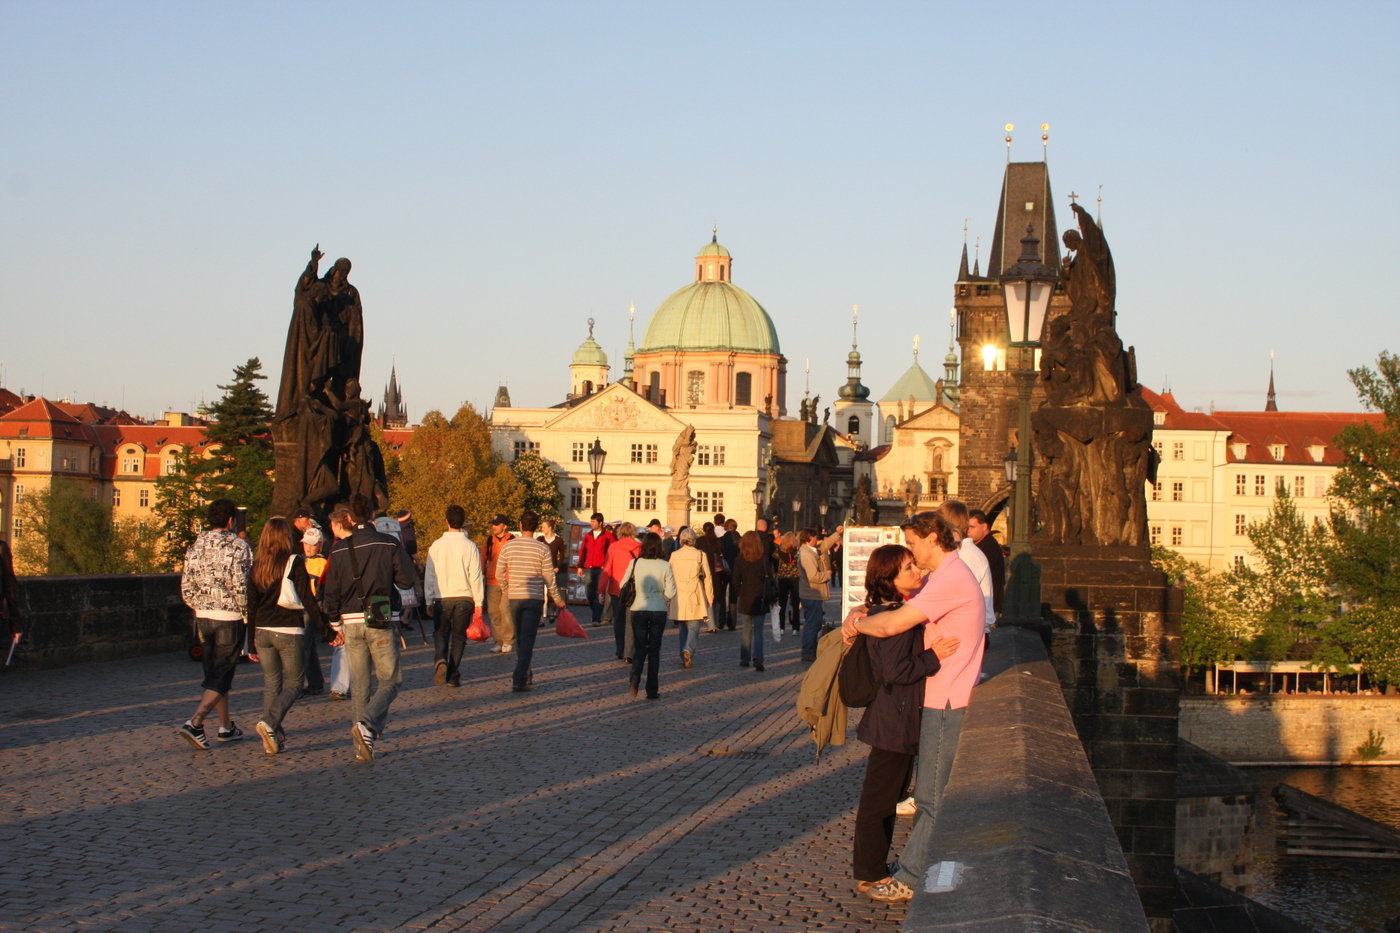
[1026, 288]
[822, 507]
[596, 456]
[796, 512]
[757, 505]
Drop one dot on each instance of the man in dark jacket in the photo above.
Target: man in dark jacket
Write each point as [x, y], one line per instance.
[980, 531]
[365, 563]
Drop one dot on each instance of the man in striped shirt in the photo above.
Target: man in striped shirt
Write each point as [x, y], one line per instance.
[526, 571]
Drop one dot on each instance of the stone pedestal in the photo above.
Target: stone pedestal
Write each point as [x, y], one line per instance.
[286, 494]
[1116, 645]
[677, 509]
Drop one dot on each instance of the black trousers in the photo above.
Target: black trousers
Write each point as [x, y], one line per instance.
[886, 781]
[450, 631]
[722, 617]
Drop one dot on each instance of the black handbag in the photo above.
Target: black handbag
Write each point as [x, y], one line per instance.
[628, 592]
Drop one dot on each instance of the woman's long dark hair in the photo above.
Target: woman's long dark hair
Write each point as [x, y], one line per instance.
[274, 547]
[651, 547]
[880, 570]
[751, 547]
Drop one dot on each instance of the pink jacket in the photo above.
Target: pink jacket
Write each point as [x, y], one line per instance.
[623, 551]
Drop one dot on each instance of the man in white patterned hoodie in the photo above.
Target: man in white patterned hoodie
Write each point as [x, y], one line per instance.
[215, 585]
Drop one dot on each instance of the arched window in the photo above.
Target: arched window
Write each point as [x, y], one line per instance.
[889, 430]
[853, 425]
[743, 389]
[656, 387]
[587, 387]
[695, 387]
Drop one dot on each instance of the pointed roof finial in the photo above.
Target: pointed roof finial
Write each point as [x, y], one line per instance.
[977, 258]
[714, 234]
[590, 328]
[1045, 142]
[1098, 208]
[1009, 128]
[1271, 403]
[855, 323]
[916, 348]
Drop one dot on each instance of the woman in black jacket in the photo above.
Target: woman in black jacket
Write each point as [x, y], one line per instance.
[277, 632]
[751, 569]
[890, 725]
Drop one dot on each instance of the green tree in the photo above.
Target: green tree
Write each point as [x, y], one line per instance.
[1211, 631]
[241, 464]
[182, 498]
[451, 462]
[68, 532]
[1286, 593]
[541, 484]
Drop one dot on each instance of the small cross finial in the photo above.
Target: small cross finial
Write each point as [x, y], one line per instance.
[1073, 198]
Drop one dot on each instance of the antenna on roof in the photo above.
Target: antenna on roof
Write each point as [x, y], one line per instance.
[1098, 208]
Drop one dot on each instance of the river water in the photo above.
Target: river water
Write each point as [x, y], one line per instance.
[1334, 895]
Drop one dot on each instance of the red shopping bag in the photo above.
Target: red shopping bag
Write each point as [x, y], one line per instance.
[568, 626]
[478, 630]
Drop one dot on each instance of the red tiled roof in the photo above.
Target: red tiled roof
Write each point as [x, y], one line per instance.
[1296, 430]
[41, 409]
[1179, 418]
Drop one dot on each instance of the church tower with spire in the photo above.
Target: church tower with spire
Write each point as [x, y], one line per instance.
[855, 413]
[392, 413]
[987, 388]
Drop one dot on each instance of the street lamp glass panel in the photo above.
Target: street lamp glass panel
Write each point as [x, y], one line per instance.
[822, 509]
[758, 497]
[596, 456]
[1010, 465]
[796, 506]
[1027, 301]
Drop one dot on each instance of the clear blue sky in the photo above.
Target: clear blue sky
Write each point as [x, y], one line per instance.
[499, 172]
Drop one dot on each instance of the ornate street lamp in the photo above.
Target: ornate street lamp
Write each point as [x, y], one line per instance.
[757, 504]
[1026, 289]
[822, 507]
[796, 510]
[596, 456]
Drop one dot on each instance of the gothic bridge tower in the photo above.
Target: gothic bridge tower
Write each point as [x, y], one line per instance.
[988, 390]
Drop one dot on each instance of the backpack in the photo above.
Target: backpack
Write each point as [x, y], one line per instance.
[856, 676]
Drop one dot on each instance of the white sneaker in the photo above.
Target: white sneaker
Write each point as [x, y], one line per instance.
[507, 649]
[495, 649]
[906, 807]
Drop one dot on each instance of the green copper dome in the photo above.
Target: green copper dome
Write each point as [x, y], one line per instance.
[590, 354]
[711, 316]
[712, 313]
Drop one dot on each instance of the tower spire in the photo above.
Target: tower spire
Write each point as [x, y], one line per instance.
[1271, 404]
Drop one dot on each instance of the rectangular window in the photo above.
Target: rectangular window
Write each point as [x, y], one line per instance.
[1161, 452]
[19, 528]
[710, 455]
[19, 493]
[1176, 536]
[578, 452]
[131, 464]
[709, 502]
[171, 465]
[1241, 525]
[1261, 487]
[1177, 492]
[1319, 486]
[525, 447]
[143, 498]
[643, 453]
[19, 456]
[576, 497]
[1156, 532]
[116, 498]
[1239, 562]
[1300, 487]
[1178, 450]
[1241, 484]
[1157, 491]
[70, 463]
[638, 499]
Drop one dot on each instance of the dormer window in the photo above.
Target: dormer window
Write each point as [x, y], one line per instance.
[1239, 449]
[1276, 451]
[1159, 418]
[1316, 451]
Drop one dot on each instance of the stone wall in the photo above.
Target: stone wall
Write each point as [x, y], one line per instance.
[68, 620]
[1214, 819]
[1291, 729]
[1116, 644]
[1022, 837]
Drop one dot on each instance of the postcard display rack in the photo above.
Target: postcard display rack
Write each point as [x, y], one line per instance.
[856, 545]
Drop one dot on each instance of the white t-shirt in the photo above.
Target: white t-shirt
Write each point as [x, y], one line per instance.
[976, 561]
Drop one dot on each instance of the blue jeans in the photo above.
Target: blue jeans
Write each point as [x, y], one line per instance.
[811, 626]
[938, 744]
[595, 601]
[450, 632]
[380, 646]
[526, 614]
[315, 679]
[647, 629]
[282, 659]
[690, 635]
[751, 638]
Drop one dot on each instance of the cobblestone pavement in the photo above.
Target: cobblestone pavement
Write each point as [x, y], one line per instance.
[572, 807]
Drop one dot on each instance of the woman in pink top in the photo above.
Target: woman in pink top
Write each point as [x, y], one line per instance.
[948, 605]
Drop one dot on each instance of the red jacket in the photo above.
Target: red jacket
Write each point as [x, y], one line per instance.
[622, 553]
[593, 550]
